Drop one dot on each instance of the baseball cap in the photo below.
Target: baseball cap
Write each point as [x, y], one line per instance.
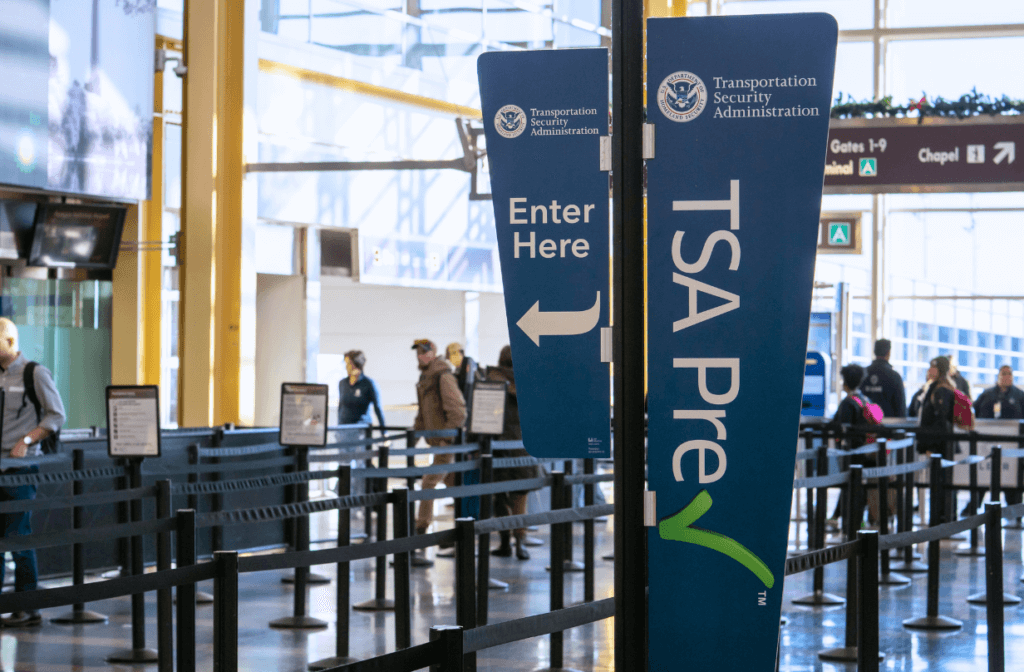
[424, 345]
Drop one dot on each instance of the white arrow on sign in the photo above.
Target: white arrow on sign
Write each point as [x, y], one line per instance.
[1007, 150]
[536, 324]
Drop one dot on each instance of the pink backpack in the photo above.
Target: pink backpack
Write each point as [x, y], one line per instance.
[872, 413]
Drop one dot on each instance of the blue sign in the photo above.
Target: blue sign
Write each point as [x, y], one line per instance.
[544, 115]
[815, 377]
[740, 107]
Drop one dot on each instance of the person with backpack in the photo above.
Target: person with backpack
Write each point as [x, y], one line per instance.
[32, 417]
[858, 412]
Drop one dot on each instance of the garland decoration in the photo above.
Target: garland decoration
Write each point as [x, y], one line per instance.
[968, 105]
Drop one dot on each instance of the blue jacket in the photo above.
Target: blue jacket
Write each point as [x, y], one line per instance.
[354, 401]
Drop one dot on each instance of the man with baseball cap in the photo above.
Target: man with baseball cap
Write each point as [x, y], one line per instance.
[441, 406]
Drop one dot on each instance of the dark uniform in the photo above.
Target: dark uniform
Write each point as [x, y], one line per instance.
[1011, 403]
[354, 401]
[884, 386]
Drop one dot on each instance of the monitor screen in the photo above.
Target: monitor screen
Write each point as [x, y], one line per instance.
[16, 221]
[76, 236]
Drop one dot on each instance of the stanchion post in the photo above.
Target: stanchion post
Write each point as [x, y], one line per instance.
[78, 614]
[867, 630]
[381, 486]
[932, 620]
[164, 597]
[888, 578]
[368, 511]
[996, 482]
[217, 499]
[186, 594]
[557, 595]
[202, 597]
[410, 483]
[465, 581]
[994, 586]
[588, 535]
[809, 469]
[403, 603]
[225, 610]
[451, 641]
[853, 520]
[484, 540]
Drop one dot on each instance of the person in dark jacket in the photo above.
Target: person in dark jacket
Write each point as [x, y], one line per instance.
[510, 503]
[465, 368]
[850, 414]
[357, 392]
[937, 410]
[883, 385]
[1005, 400]
[914, 410]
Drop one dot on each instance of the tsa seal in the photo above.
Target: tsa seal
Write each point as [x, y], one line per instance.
[682, 96]
[510, 121]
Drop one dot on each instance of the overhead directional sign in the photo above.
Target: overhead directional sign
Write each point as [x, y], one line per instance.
[740, 107]
[546, 119]
[840, 233]
[891, 155]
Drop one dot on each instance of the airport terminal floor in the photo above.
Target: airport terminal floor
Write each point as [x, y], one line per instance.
[587, 648]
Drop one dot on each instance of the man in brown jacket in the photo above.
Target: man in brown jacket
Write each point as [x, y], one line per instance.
[441, 406]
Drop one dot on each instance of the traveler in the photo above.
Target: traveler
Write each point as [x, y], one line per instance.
[510, 503]
[850, 414]
[33, 413]
[1005, 400]
[937, 410]
[357, 392]
[441, 406]
[959, 382]
[883, 385]
[465, 368]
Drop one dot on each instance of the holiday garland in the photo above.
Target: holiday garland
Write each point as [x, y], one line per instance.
[968, 105]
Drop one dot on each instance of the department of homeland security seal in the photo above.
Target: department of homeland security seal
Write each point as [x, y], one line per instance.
[682, 96]
[510, 121]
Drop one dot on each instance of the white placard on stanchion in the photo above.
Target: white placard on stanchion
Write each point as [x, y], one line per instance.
[133, 421]
[487, 408]
[303, 414]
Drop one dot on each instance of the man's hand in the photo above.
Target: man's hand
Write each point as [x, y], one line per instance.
[20, 449]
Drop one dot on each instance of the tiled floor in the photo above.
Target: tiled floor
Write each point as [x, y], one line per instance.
[264, 597]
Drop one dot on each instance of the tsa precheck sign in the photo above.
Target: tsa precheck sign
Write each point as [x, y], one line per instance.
[740, 107]
[544, 114]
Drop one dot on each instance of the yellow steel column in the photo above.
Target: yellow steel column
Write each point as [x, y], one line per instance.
[127, 302]
[151, 261]
[212, 336]
[198, 270]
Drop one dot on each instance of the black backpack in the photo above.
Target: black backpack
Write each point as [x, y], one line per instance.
[51, 444]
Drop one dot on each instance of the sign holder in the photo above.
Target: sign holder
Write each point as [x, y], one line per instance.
[487, 407]
[628, 334]
[303, 415]
[133, 421]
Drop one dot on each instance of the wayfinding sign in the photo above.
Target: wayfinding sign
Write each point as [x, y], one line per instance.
[303, 414]
[546, 121]
[133, 421]
[740, 107]
[888, 155]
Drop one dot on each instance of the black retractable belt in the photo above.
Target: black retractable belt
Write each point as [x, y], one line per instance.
[138, 653]
[78, 614]
[932, 620]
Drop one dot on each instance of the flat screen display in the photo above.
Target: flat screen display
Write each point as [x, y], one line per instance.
[76, 236]
[17, 218]
[76, 96]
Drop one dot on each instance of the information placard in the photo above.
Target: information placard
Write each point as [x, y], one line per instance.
[487, 410]
[133, 421]
[303, 414]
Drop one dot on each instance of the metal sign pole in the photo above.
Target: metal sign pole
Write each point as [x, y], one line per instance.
[628, 334]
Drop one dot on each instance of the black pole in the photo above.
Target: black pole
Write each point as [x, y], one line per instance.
[627, 22]
[932, 620]
[379, 602]
[138, 653]
[78, 614]
[888, 578]
[1006, 599]
[809, 469]
[202, 597]
[465, 581]
[818, 597]
[186, 594]
[972, 549]
[557, 594]
[225, 612]
[588, 536]
[403, 601]
[217, 499]
[164, 596]
[994, 586]
[909, 564]
[852, 519]
[483, 567]
[569, 501]
[996, 483]
[451, 636]
[867, 630]
[299, 619]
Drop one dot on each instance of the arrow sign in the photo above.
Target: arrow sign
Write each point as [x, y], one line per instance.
[545, 116]
[1007, 150]
[537, 324]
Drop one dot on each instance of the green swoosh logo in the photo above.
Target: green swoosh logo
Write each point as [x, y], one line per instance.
[679, 527]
